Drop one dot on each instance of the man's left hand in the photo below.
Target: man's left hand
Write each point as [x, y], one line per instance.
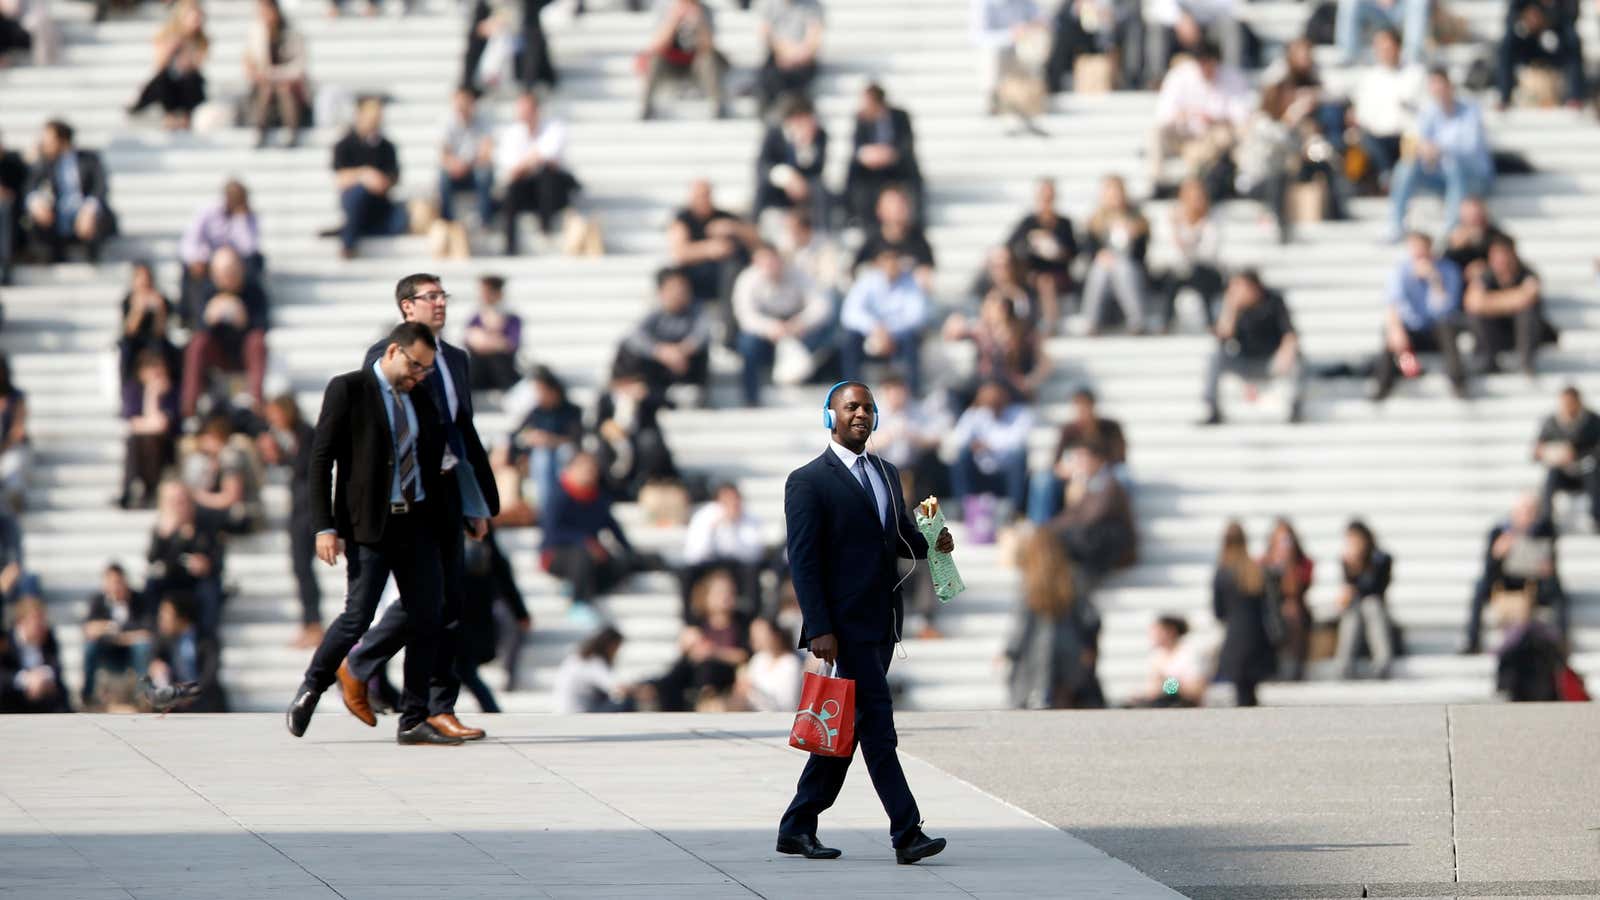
[945, 543]
[477, 528]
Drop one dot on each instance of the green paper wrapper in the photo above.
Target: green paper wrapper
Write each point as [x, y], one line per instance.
[946, 580]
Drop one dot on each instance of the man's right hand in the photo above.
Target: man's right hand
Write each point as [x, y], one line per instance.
[826, 648]
[328, 548]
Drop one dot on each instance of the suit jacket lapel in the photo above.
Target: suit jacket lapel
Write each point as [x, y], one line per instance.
[377, 389]
[853, 483]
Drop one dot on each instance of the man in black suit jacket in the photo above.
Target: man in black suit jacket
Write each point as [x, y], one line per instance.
[385, 504]
[67, 195]
[883, 153]
[789, 166]
[848, 529]
[467, 493]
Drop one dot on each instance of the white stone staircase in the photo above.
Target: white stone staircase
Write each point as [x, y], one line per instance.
[1429, 473]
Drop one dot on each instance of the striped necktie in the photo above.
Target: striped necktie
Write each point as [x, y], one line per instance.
[406, 448]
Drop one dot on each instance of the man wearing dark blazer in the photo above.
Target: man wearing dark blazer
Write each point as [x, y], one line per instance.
[883, 152]
[383, 504]
[467, 496]
[67, 195]
[848, 529]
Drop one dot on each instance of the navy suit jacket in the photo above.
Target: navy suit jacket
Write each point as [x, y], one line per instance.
[843, 562]
[464, 443]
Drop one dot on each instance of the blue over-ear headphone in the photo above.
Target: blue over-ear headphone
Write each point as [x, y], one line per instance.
[827, 407]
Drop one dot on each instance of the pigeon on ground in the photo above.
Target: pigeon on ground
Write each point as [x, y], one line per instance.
[172, 696]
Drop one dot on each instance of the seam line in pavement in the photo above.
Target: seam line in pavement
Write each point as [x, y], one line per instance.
[619, 811]
[220, 811]
[1450, 760]
[68, 844]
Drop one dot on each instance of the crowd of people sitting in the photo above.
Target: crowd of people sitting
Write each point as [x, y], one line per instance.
[827, 277]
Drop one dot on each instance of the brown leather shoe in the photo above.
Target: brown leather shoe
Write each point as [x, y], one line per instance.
[355, 696]
[450, 725]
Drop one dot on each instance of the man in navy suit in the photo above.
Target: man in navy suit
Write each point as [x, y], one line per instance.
[848, 529]
[469, 497]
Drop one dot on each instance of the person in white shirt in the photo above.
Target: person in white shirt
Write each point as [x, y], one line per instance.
[992, 437]
[466, 157]
[770, 681]
[587, 681]
[883, 317]
[528, 161]
[774, 302]
[1201, 100]
[1176, 675]
[1194, 239]
[1385, 101]
[722, 535]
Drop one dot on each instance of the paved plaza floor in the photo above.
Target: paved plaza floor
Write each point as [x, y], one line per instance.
[642, 806]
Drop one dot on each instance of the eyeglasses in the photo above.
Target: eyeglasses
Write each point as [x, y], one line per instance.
[418, 369]
[431, 297]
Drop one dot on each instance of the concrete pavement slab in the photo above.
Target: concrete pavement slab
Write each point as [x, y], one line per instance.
[549, 807]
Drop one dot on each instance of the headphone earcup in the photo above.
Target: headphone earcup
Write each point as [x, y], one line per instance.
[827, 419]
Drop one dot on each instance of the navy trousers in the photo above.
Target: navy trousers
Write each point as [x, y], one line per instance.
[868, 666]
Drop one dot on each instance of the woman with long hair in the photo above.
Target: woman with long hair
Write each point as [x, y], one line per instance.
[287, 442]
[275, 67]
[1362, 605]
[181, 48]
[1240, 593]
[1052, 644]
[1196, 238]
[586, 682]
[1287, 563]
[1116, 240]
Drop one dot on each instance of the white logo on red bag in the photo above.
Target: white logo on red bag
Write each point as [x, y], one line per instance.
[817, 720]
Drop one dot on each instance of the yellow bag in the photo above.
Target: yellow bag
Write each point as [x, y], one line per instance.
[581, 236]
[421, 213]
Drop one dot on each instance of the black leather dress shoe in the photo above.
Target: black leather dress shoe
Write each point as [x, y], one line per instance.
[423, 733]
[805, 845]
[919, 848]
[299, 714]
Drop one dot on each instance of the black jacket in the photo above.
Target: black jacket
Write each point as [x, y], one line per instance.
[353, 433]
[905, 168]
[1247, 654]
[12, 698]
[843, 562]
[92, 180]
[471, 448]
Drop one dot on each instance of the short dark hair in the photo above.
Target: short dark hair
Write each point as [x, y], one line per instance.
[1389, 33]
[60, 129]
[496, 283]
[1439, 72]
[843, 385]
[1176, 624]
[1084, 393]
[798, 105]
[407, 333]
[1504, 240]
[182, 607]
[116, 567]
[1571, 390]
[406, 288]
[667, 273]
[1252, 276]
[875, 91]
[218, 425]
[1207, 52]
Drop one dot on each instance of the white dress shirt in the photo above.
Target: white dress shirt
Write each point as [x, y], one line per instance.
[517, 140]
[879, 486]
[711, 536]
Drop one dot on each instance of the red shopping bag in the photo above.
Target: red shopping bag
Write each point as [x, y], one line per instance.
[826, 722]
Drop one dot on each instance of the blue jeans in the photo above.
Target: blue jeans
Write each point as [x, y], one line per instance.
[366, 213]
[107, 656]
[544, 467]
[480, 181]
[758, 354]
[1010, 480]
[1409, 17]
[1044, 496]
[1451, 177]
[906, 356]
